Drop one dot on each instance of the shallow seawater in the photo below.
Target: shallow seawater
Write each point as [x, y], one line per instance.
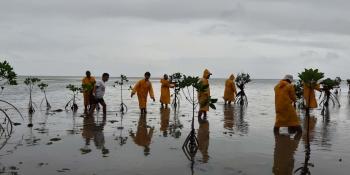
[232, 141]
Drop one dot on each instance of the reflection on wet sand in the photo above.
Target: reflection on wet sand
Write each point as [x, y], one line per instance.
[164, 121]
[203, 139]
[143, 136]
[229, 114]
[234, 117]
[94, 130]
[285, 148]
[312, 125]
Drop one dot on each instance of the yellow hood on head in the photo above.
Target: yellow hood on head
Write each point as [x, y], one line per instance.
[206, 73]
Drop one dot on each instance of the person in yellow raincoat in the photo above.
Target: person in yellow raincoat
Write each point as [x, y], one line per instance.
[88, 83]
[143, 136]
[143, 88]
[230, 90]
[165, 91]
[285, 98]
[309, 95]
[204, 96]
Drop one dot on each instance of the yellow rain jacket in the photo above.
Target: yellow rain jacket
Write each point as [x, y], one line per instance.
[203, 139]
[165, 92]
[88, 81]
[203, 96]
[312, 98]
[284, 99]
[142, 88]
[230, 89]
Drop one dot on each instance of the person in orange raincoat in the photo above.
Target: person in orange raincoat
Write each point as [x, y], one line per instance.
[143, 88]
[230, 90]
[143, 136]
[309, 95]
[165, 92]
[285, 98]
[88, 83]
[204, 96]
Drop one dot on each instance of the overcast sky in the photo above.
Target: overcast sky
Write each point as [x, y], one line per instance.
[266, 38]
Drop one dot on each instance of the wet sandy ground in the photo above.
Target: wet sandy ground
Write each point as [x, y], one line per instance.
[232, 141]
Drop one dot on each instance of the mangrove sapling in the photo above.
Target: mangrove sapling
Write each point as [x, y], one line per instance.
[31, 82]
[241, 80]
[7, 77]
[123, 79]
[175, 80]
[189, 86]
[43, 86]
[299, 92]
[326, 94]
[310, 77]
[337, 88]
[72, 102]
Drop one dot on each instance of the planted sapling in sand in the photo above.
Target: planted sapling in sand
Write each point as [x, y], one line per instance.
[7, 77]
[123, 79]
[337, 88]
[43, 86]
[241, 80]
[31, 82]
[176, 79]
[72, 102]
[189, 86]
[299, 91]
[326, 95]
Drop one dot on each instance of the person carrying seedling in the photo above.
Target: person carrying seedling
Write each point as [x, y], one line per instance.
[165, 91]
[98, 93]
[88, 84]
[230, 90]
[285, 98]
[309, 95]
[143, 88]
[204, 95]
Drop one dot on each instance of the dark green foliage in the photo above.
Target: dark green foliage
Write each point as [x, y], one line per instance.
[348, 81]
[7, 74]
[73, 88]
[310, 77]
[299, 90]
[328, 84]
[338, 81]
[175, 79]
[327, 96]
[43, 86]
[87, 87]
[241, 80]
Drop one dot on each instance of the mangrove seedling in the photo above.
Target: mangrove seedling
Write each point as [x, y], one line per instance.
[310, 77]
[189, 86]
[43, 86]
[326, 94]
[72, 102]
[176, 79]
[31, 82]
[241, 80]
[7, 77]
[123, 79]
[299, 92]
[337, 88]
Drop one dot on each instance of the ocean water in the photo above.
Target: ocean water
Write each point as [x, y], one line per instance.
[232, 141]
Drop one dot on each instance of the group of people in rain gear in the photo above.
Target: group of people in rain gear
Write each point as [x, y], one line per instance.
[285, 97]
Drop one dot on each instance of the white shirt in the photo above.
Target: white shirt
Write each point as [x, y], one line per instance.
[100, 89]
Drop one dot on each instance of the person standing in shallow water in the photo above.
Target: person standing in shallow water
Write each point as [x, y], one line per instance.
[143, 88]
[230, 90]
[285, 98]
[165, 91]
[98, 93]
[88, 84]
[203, 96]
